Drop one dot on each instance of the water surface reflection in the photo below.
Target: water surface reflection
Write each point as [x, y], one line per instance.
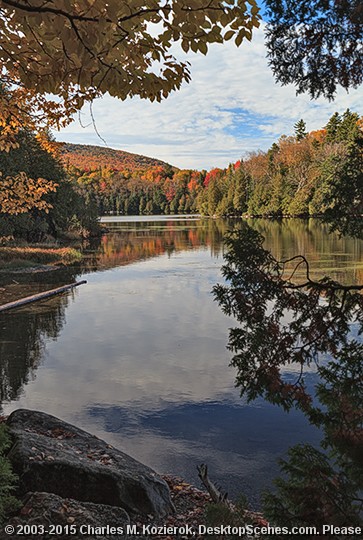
[137, 356]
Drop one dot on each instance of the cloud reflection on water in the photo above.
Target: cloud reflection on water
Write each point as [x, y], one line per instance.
[139, 356]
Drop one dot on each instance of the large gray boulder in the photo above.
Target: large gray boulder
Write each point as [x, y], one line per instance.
[56, 457]
[49, 517]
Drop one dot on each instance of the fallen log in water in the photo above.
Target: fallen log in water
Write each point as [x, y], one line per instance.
[40, 296]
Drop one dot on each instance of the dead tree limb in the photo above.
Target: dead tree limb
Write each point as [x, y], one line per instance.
[214, 491]
[219, 497]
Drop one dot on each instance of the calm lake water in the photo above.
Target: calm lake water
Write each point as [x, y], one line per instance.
[138, 355]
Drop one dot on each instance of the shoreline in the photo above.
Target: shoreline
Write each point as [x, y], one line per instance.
[190, 505]
[38, 257]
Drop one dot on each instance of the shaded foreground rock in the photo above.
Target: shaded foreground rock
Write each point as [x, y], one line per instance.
[52, 456]
[82, 520]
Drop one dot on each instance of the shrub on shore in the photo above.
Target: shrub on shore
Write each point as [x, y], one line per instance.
[26, 255]
[8, 503]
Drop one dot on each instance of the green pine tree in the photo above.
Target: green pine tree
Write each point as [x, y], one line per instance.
[300, 130]
[332, 127]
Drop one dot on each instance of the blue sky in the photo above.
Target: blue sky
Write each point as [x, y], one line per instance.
[231, 107]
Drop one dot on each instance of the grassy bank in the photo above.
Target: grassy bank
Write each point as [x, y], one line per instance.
[26, 257]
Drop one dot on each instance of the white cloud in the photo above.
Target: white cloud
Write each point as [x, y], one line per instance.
[214, 119]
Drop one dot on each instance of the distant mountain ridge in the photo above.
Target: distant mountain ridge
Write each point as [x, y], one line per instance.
[90, 157]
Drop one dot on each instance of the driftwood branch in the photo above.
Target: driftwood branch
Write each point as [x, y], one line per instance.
[40, 296]
[219, 497]
[214, 491]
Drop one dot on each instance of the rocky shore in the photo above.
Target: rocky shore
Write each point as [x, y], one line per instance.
[74, 485]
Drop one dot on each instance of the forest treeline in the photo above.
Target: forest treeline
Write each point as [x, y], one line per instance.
[49, 188]
[295, 177]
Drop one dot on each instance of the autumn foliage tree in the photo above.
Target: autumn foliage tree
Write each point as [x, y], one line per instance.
[112, 47]
[22, 107]
[28, 170]
[28, 174]
[36, 197]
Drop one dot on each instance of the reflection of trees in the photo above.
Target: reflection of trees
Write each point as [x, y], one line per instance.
[22, 332]
[142, 240]
[18, 285]
[328, 253]
[282, 321]
[22, 336]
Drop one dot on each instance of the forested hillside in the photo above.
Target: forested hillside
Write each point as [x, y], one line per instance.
[90, 158]
[123, 183]
[301, 174]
